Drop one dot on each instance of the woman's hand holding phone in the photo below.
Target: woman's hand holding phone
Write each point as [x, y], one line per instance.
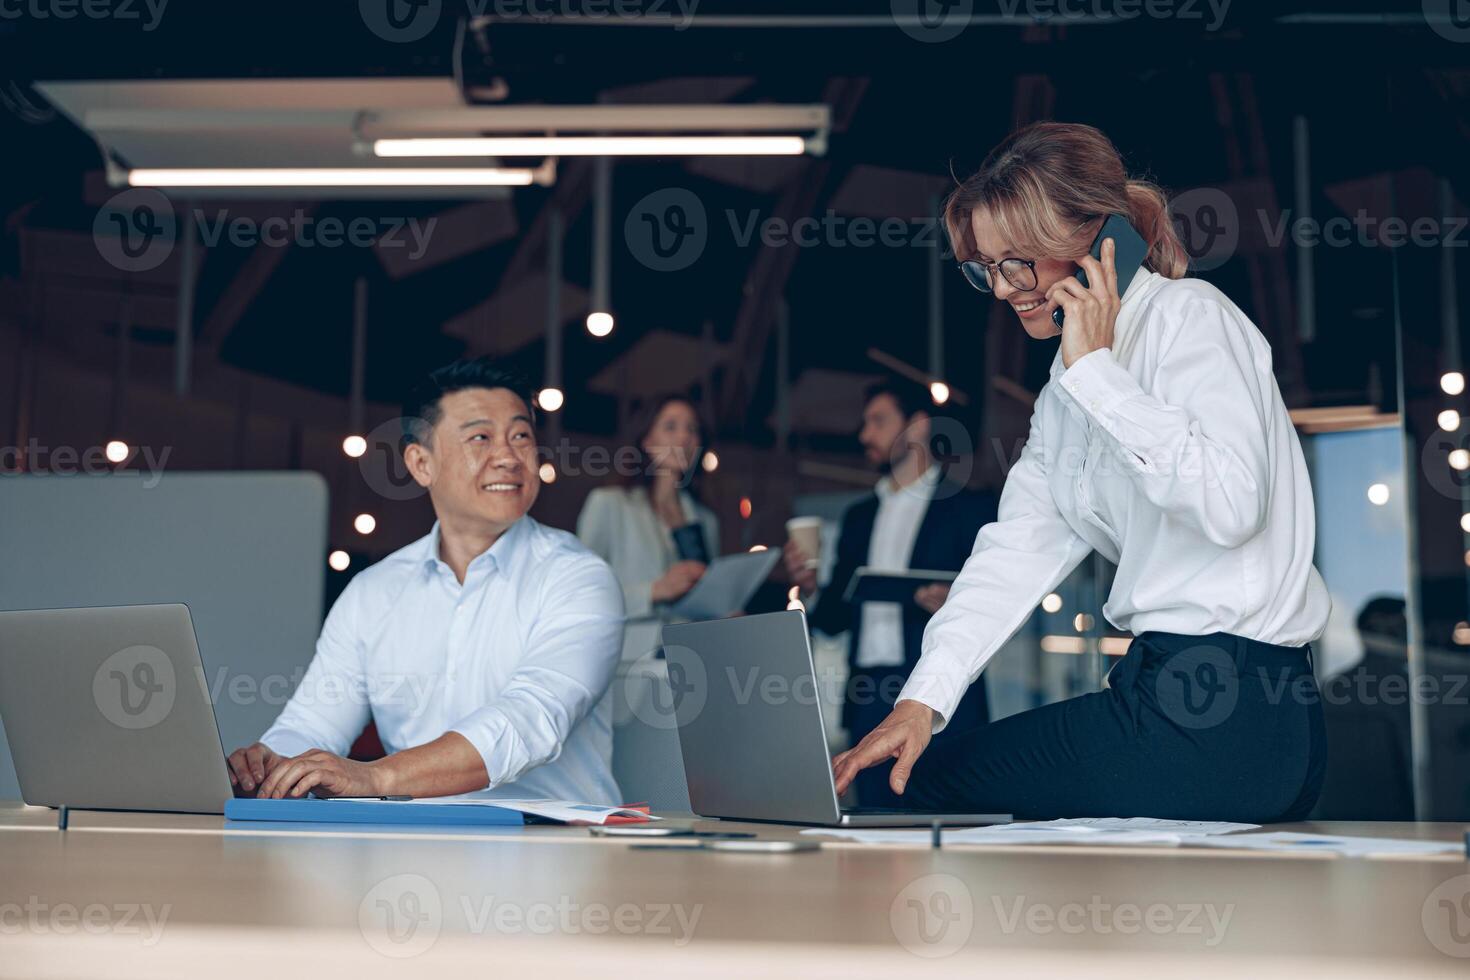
[1090, 311]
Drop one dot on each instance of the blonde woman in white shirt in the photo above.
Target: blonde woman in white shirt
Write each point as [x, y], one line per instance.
[1161, 442]
[651, 528]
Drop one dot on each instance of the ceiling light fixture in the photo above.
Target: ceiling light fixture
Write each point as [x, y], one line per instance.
[591, 146]
[596, 131]
[334, 177]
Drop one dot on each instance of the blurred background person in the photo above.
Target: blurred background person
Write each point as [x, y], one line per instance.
[650, 526]
[915, 518]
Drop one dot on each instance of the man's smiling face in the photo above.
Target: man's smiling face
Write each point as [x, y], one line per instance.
[479, 463]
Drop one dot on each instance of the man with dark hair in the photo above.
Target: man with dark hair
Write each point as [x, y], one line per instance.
[481, 651]
[916, 518]
[422, 409]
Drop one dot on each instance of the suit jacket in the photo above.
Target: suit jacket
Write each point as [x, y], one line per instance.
[945, 539]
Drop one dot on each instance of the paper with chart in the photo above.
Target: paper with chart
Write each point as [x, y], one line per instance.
[996, 835]
[1151, 832]
[1184, 828]
[1334, 844]
[1086, 831]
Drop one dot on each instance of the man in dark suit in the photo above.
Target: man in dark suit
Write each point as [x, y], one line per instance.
[917, 517]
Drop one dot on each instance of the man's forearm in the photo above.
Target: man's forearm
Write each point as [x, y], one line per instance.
[444, 767]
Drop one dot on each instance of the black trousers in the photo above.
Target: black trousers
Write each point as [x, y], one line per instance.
[1213, 727]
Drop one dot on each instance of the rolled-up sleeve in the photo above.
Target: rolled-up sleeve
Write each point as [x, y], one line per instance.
[571, 652]
[329, 708]
[1016, 560]
[1196, 447]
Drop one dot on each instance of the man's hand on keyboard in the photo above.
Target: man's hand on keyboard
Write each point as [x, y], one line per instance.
[250, 766]
[324, 774]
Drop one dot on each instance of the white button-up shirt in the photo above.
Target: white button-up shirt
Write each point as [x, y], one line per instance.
[516, 660]
[1173, 456]
[895, 527]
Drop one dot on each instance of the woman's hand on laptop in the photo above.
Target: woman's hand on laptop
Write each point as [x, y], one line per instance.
[249, 766]
[903, 735]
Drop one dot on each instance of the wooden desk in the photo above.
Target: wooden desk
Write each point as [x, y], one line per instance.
[159, 895]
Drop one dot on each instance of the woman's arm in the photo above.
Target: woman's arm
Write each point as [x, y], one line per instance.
[1017, 559]
[595, 524]
[1197, 447]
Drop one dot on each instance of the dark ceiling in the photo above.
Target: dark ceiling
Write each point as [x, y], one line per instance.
[1188, 106]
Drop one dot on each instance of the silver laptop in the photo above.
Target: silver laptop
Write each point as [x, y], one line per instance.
[106, 708]
[750, 727]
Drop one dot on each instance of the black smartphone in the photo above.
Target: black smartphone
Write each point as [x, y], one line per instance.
[1129, 251]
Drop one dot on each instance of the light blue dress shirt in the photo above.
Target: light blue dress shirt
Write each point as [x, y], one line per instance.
[516, 660]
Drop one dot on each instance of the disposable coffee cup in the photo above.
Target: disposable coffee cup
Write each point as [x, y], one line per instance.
[806, 533]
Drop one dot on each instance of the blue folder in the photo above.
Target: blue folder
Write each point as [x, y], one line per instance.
[311, 810]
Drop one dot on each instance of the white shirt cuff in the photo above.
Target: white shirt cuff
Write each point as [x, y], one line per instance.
[1097, 385]
[940, 688]
[287, 743]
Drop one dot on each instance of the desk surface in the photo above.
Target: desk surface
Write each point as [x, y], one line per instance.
[148, 895]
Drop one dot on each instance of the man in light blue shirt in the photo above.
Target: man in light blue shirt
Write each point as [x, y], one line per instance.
[481, 651]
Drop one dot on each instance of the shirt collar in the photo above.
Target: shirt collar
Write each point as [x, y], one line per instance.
[1129, 310]
[498, 556]
[924, 484]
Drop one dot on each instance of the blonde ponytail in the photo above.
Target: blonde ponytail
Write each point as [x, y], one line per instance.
[1148, 211]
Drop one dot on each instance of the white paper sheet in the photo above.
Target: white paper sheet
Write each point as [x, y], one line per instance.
[1010, 834]
[1344, 846]
[1184, 828]
[567, 811]
[1099, 831]
[726, 585]
[1151, 832]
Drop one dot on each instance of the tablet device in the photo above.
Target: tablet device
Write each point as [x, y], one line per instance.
[870, 584]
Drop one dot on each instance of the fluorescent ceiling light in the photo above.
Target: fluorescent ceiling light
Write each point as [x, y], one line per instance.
[591, 146]
[331, 177]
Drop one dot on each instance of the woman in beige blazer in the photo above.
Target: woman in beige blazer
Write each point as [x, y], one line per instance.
[651, 527]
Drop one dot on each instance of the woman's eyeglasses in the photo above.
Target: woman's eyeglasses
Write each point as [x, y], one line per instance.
[1020, 273]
